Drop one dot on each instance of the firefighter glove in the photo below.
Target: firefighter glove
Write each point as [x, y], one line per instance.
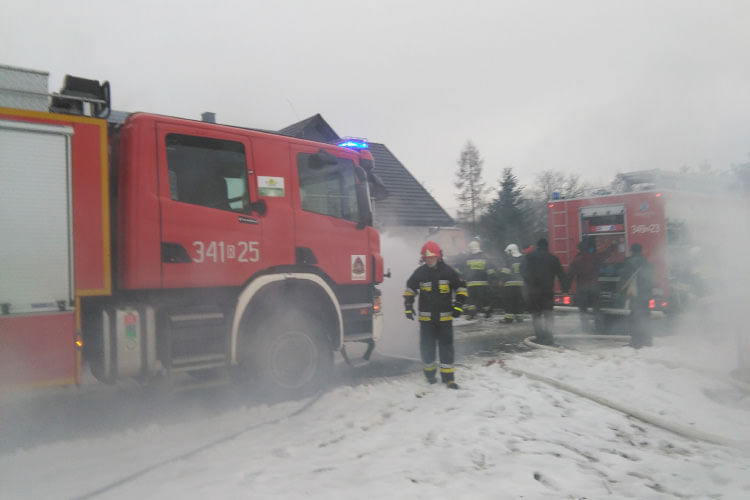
[409, 314]
[457, 311]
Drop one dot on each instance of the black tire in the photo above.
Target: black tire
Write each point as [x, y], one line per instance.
[289, 356]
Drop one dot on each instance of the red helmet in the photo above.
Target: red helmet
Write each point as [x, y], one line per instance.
[431, 249]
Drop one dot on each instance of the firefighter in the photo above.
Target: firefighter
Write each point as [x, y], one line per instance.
[539, 269]
[478, 270]
[436, 283]
[637, 283]
[512, 283]
[584, 270]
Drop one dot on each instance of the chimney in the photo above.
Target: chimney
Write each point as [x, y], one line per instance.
[208, 117]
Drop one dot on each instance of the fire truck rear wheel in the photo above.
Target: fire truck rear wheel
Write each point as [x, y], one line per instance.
[291, 356]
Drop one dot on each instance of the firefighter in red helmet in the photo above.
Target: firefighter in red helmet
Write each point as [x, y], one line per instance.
[442, 293]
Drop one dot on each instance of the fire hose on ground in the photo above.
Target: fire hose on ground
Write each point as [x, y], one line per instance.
[672, 427]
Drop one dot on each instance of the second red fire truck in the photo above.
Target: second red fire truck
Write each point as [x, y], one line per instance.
[667, 224]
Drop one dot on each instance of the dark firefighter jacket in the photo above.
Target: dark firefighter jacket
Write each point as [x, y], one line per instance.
[510, 275]
[539, 269]
[585, 268]
[638, 278]
[476, 267]
[435, 287]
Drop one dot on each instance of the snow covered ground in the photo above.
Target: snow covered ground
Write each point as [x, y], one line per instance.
[393, 436]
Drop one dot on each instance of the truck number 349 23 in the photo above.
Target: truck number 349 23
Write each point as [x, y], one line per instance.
[645, 228]
[219, 251]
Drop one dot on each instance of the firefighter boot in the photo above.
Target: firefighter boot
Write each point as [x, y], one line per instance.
[447, 378]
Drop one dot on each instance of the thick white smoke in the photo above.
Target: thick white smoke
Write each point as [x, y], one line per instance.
[716, 324]
[401, 256]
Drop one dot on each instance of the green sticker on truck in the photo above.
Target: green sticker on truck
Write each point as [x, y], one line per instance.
[270, 186]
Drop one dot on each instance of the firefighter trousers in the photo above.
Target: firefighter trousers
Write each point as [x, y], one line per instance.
[513, 302]
[479, 299]
[543, 322]
[440, 334]
[640, 331]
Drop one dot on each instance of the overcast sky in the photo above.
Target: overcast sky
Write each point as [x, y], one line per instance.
[584, 86]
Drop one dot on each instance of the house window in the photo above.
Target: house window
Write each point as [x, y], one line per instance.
[207, 172]
[328, 189]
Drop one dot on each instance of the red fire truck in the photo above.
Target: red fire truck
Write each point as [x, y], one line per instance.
[164, 245]
[668, 225]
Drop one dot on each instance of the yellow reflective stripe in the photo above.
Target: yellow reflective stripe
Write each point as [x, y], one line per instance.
[476, 283]
[447, 369]
[424, 318]
[514, 283]
[409, 311]
[409, 293]
[505, 270]
[429, 368]
[446, 319]
[462, 291]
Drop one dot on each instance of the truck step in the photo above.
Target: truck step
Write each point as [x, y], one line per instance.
[199, 362]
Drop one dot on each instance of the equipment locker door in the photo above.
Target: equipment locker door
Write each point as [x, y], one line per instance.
[37, 320]
[36, 253]
[209, 236]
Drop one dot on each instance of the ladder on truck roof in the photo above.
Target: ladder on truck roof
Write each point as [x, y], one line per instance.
[560, 243]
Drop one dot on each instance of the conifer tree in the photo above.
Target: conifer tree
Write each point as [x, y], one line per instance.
[504, 221]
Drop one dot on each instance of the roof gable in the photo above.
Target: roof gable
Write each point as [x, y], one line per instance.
[314, 128]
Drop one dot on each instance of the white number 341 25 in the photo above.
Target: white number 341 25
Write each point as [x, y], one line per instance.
[219, 251]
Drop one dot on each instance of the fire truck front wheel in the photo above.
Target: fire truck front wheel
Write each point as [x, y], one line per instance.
[290, 355]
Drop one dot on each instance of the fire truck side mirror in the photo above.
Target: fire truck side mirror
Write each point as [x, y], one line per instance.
[321, 159]
[259, 207]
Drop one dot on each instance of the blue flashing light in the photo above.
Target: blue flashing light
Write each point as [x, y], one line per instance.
[354, 144]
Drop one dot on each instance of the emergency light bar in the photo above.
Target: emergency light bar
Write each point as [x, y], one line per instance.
[354, 143]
